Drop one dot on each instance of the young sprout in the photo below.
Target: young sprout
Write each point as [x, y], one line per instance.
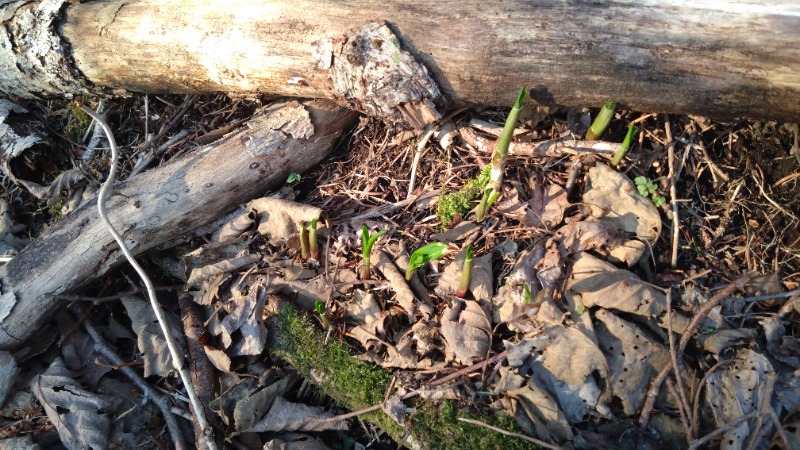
[499, 156]
[319, 305]
[303, 241]
[422, 255]
[527, 296]
[367, 242]
[312, 240]
[626, 144]
[466, 273]
[601, 121]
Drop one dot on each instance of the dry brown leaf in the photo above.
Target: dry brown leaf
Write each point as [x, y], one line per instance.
[150, 339]
[78, 415]
[202, 273]
[510, 304]
[218, 358]
[737, 390]
[633, 359]
[594, 282]
[279, 219]
[363, 308]
[544, 210]
[547, 420]
[404, 296]
[467, 331]
[613, 198]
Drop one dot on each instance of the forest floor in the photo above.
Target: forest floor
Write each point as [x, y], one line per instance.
[585, 294]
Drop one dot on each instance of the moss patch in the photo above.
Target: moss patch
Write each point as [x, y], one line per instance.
[356, 385]
[461, 202]
[439, 428]
[353, 383]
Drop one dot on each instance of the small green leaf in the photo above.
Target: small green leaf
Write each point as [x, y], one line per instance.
[422, 255]
[294, 177]
[527, 296]
[580, 309]
[319, 306]
[658, 200]
[641, 185]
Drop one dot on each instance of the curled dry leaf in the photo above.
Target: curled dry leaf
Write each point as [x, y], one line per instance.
[404, 296]
[737, 390]
[79, 416]
[150, 339]
[278, 219]
[510, 303]
[597, 283]
[625, 347]
[467, 331]
[613, 198]
[544, 210]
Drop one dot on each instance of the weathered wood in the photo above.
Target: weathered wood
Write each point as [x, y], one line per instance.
[718, 58]
[162, 204]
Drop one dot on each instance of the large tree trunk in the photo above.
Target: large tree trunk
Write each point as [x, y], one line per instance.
[719, 58]
[162, 204]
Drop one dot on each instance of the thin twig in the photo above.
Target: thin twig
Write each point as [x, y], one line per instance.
[421, 150]
[697, 443]
[673, 190]
[158, 399]
[681, 412]
[510, 433]
[696, 401]
[652, 393]
[683, 405]
[781, 432]
[107, 298]
[177, 356]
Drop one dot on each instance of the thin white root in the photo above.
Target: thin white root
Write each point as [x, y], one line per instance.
[177, 357]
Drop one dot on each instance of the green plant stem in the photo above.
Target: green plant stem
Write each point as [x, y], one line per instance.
[501, 151]
[466, 273]
[601, 121]
[480, 213]
[367, 242]
[303, 241]
[312, 240]
[626, 144]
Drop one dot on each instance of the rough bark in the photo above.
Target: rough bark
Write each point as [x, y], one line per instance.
[720, 59]
[164, 203]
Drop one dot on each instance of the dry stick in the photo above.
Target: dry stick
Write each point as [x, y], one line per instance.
[684, 420]
[107, 298]
[696, 404]
[673, 191]
[177, 357]
[697, 443]
[415, 392]
[509, 433]
[202, 371]
[159, 399]
[781, 432]
[421, 150]
[683, 405]
[652, 393]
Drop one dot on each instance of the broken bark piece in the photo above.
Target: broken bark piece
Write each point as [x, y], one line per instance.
[376, 75]
[153, 208]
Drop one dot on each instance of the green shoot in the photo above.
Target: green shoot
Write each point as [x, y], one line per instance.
[303, 241]
[626, 144]
[319, 306]
[293, 178]
[648, 188]
[466, 273]
[312, 240]
[501, 152]
[601, 121]
[527, 296]
[422, 255]
[367, 242]
[489, 196]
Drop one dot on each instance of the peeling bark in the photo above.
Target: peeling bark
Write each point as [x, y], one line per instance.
[161, 204]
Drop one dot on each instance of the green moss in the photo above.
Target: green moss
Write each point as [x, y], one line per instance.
[461, 202]
[438, 426]
[353, 383]
[77, 122]
[356, 385]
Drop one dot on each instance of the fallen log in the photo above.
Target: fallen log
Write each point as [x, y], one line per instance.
[721, 59]
[162, 204]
